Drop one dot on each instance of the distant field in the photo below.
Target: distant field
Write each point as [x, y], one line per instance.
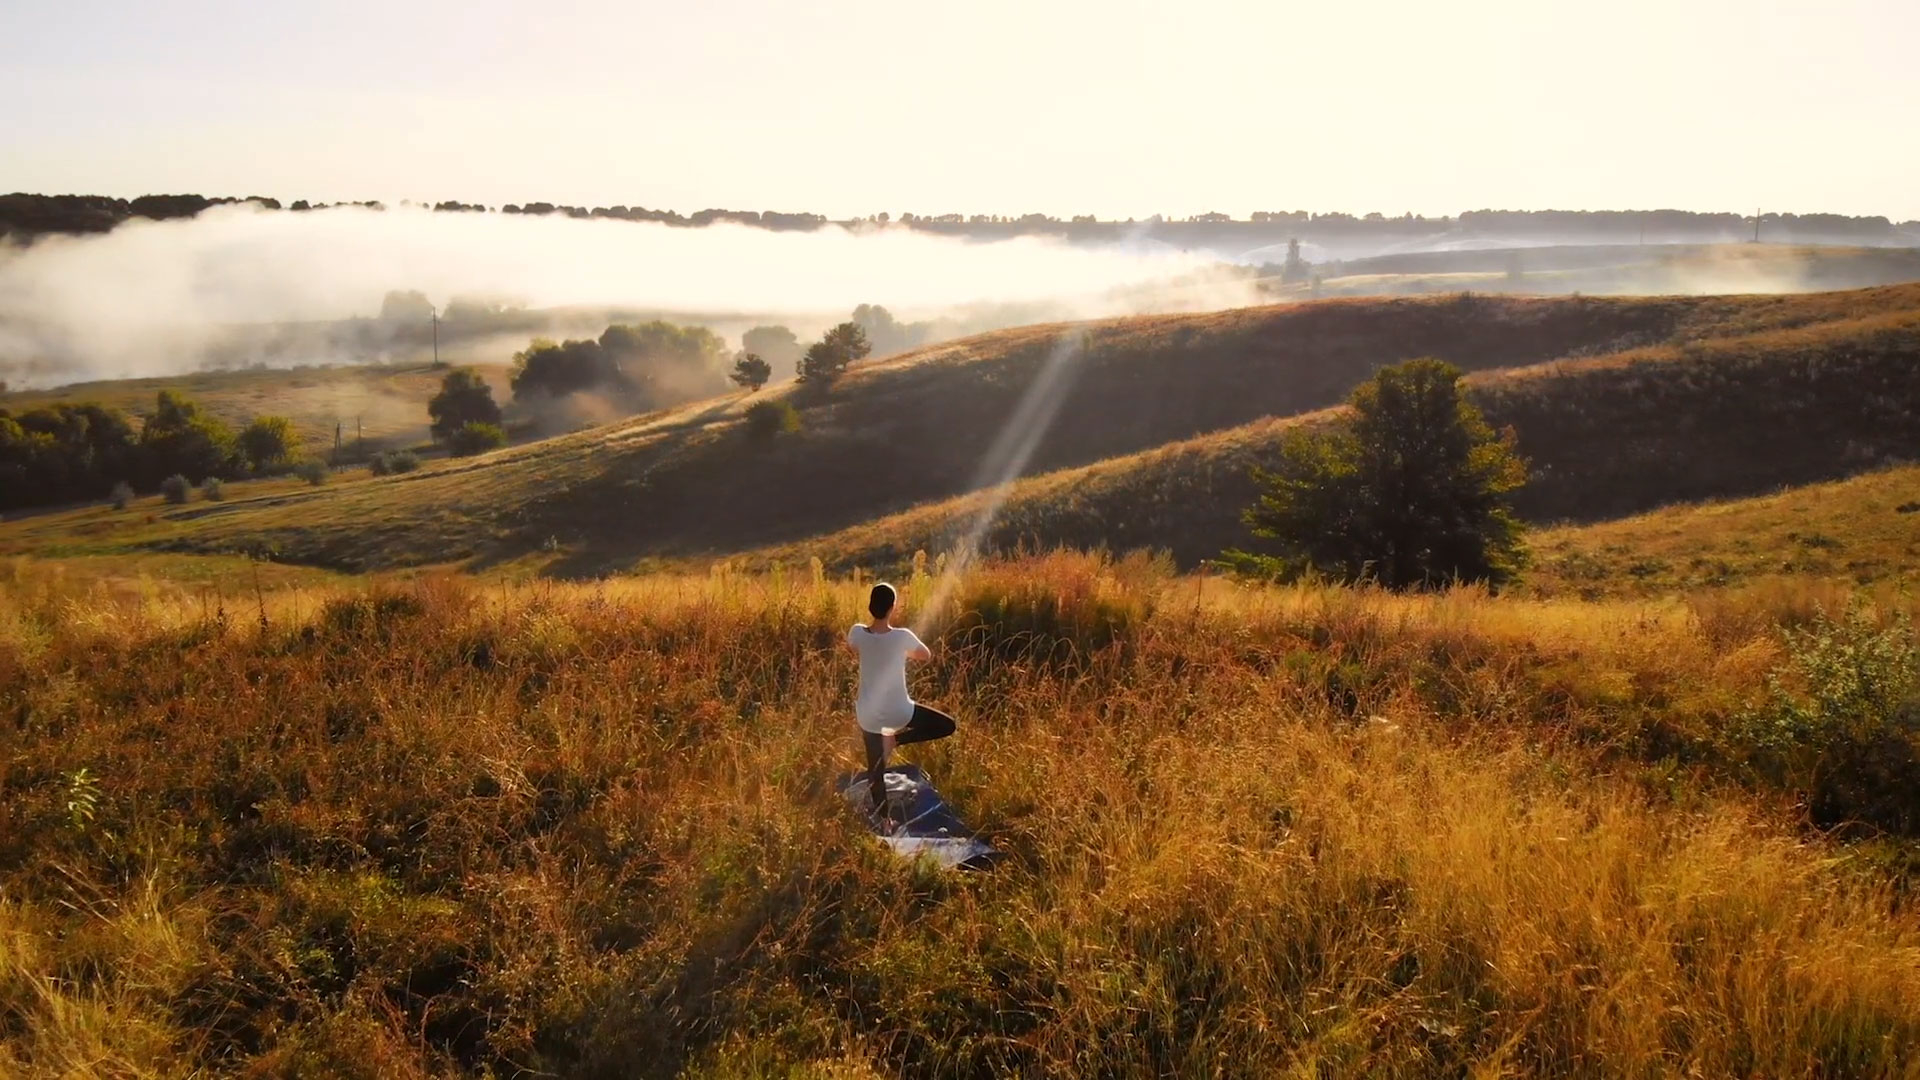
[382, 403]
[1613, 270]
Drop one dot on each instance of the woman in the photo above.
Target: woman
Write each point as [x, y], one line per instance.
[887, 714]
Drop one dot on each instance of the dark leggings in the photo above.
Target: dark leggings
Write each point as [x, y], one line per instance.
[926, 726]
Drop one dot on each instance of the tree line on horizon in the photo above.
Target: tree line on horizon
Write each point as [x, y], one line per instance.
[28, 214]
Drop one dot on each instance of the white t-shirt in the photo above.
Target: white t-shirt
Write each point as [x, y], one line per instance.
[883, 700]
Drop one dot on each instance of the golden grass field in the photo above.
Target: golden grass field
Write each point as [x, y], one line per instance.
[450, 827]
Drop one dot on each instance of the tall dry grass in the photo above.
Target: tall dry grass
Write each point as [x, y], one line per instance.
[448, 828]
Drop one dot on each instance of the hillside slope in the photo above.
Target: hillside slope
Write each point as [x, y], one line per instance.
[915, 428]
[1605, 437]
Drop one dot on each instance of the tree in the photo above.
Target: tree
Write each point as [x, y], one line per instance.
[180, 439]
[408, 306]
[269, 444]
[751, 372]
[1410, 492]
[464, 398]
[777, 345]
[827, 358]
[643, 366]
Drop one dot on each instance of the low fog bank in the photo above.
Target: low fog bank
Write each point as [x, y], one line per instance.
[237, 286]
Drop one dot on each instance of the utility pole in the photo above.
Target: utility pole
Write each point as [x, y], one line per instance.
[1756, 224]
[436, 337]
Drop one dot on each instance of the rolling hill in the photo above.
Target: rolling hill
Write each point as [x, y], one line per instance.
[1623, 404]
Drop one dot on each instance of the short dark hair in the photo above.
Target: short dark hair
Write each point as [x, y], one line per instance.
[880, 601]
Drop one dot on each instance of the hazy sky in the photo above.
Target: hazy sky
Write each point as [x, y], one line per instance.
[1074, 106]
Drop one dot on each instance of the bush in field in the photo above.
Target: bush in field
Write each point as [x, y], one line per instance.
[313, 472]
[1411, 492]
[464, 398]
[1841, 726]
[121, 495]
[765, 419]
[476, 438]
[212, 490]
[393, 462]
[175, 489]
[269, 444]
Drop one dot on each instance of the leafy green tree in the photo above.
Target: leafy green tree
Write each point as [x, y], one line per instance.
[464, 398]
[827, 358]
[270, 444]
[750, 371]
[1412, 491]
[63, 452]
[179, 439]
[777, 345]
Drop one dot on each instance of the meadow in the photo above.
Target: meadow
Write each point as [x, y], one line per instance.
[442, 826]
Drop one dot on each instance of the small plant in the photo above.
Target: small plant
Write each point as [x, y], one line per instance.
[212, 489]
[474, 437]
[1841, 726]
[765, 419]
[121, 496]
[175, 489]
[313, 472]
[83, 799]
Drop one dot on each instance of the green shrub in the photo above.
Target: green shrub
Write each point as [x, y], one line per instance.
[765, 419]
[1841, 725]
[313, 472]
[212, 489]
[121, 495]
[175, 489]
[474, 437]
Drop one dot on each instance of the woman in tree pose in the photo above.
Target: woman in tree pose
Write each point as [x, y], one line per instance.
[887, 715]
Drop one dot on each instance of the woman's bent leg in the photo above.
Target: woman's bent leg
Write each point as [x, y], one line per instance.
[927, 725]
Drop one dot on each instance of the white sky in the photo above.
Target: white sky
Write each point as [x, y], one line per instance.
[844, 107]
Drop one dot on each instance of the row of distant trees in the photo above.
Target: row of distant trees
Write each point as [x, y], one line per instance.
[29, 215]
[69, 452]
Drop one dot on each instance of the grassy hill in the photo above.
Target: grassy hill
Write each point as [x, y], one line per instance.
[1864, 530]
[1652, 400]
[1606, 436]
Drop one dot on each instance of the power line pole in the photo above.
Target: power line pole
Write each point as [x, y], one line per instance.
[436, 337]
[1756, 224]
